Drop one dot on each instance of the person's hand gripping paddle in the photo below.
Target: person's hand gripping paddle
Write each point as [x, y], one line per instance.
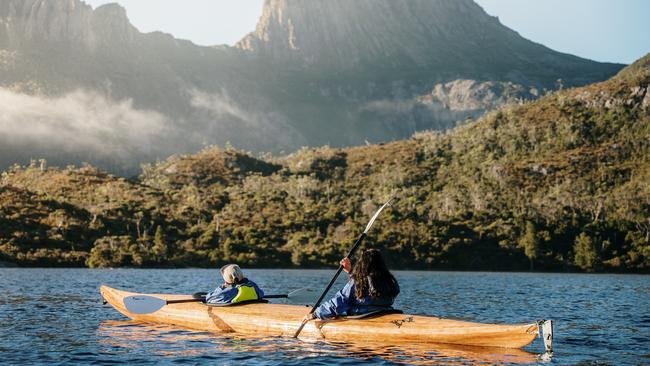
[338, 272]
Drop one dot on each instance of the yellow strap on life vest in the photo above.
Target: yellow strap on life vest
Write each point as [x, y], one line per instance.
[245, 293]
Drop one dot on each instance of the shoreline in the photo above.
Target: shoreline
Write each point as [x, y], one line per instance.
[4, 264]
[14, 266]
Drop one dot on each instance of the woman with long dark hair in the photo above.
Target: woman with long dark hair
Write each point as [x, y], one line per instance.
[371, 287]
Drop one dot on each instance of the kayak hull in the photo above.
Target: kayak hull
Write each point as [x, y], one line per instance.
[283, 320]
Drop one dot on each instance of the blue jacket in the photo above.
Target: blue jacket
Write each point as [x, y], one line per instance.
[244, 290]
[346, 303]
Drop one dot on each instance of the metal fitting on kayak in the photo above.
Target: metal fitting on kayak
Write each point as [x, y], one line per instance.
[546, 329]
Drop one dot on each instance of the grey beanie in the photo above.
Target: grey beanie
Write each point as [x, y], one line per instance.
[231, 273]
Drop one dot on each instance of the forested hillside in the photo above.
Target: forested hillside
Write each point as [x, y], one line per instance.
[561, 183]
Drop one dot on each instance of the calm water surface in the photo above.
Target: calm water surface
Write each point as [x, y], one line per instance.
[56, 316]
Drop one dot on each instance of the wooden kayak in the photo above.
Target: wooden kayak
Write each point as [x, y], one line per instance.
[283, 320]
[130, 334]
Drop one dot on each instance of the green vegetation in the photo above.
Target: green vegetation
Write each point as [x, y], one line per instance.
[530, 243]
[586, 255]
[561, 183]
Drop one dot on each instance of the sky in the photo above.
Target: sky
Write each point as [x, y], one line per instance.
[601, 30]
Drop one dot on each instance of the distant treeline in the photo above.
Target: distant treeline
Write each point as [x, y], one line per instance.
[561, 184]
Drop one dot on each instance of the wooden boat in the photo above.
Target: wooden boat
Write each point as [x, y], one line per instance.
[131, 334]
[283, 320]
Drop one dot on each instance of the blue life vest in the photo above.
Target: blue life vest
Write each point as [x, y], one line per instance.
[243, 291]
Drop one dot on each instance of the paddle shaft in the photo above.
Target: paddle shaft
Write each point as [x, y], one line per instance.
[281, 296]
[329, 286]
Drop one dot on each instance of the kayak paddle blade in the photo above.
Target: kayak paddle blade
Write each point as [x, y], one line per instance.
[374, 217]
[143, 304]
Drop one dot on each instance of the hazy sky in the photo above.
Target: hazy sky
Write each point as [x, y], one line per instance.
[602, 30]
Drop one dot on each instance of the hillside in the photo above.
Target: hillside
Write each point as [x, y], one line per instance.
[560, 183]
[84, 85]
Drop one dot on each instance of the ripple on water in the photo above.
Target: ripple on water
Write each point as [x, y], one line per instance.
[54, 316]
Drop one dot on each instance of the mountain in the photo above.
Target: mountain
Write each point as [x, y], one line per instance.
[560, 183]
[83, 85]
[415, 42]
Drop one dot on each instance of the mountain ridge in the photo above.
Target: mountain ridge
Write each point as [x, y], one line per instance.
[212, 95]
[341, 35]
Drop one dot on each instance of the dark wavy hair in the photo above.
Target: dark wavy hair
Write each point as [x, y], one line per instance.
[372, 278]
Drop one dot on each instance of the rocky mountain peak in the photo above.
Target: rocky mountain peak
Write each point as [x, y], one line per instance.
[350, 32]
[64, 21]
[112, 21]
[430, 41]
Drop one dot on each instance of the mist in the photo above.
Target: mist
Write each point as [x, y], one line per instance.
[81, 125]
[251, 123]
[85, 126]
[412, 115]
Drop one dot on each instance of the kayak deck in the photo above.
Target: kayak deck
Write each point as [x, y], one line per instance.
[283, 320]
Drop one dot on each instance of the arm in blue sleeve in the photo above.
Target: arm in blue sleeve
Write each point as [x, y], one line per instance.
[340, 304]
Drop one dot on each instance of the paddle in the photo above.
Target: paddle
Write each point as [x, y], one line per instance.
[338, 272]
[146, 304]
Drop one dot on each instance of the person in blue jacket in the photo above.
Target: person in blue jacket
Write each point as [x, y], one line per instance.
[236, 287]
[371, 287]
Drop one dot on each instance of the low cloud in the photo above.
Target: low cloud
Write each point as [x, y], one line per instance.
[80, 123]
[388, 106]
[417, 113]
[258, 126]
[87, 126]
[219, 105]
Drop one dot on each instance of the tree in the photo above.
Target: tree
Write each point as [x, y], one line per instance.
[160, 248]
[530, 242]
[210, 237]
[297, 243]
[585, 254]
[115, 251]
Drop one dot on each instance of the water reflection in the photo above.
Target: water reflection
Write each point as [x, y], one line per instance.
[170, 341]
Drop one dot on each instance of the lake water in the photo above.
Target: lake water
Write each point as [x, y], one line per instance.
[56, 316]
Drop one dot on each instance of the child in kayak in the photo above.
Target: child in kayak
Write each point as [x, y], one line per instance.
[236, 287]
[371, 287]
